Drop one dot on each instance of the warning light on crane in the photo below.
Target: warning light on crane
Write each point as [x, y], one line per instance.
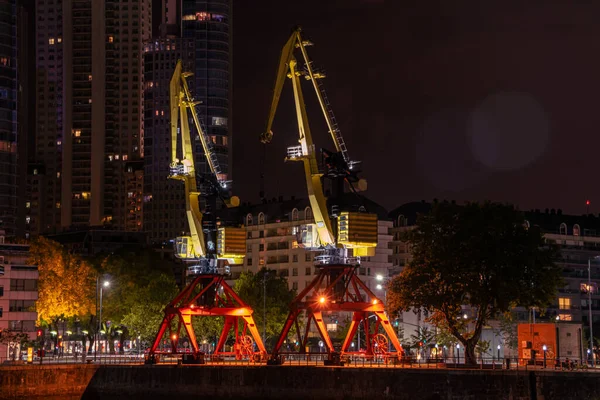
[322, 300]
[174, 337]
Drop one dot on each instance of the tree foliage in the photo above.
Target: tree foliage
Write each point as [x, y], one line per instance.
[147, 304]
[66, 282]
[252, 289]
[480, 256]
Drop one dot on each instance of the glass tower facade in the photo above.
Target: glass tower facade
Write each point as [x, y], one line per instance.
[207, 24]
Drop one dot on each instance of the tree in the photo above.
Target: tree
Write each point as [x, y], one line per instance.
[147, 311]
[66, 282]
[251, 288]
[479, 256]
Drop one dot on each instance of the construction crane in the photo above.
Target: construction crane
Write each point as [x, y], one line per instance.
[337, 287]
[208, 250]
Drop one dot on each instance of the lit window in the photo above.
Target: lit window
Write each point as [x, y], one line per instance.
[89, 77]
[564, 303]
[111, 39]
[35, 171]
[565, 317]
[202, 16]
[261, 261]
[27, 219]
[224, 139]
[59, 142]
[90, 101]
[124, 157]
[59, 39]
[27, 204]
[51, 41]
[331, 327]
[58, 174]
[129, 194]
[219, 121]
[156, 112]
[77, 132]
[110, 158]
[116, 157]
[85, 195]
[58, 204]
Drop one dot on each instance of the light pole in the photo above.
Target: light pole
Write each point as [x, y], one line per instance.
[105, 284]
[498, 352]
[458, 353]
[265, 307]
[544, 347]
[590, 307]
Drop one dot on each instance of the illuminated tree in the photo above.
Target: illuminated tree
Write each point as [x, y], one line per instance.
[66, 282]
[479, 256]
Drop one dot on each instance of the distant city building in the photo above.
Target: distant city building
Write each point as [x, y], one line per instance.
[164, 200]
[91, 242]
[8, 118]
[198, 32]
[207, 24]
[272, 243]
[89, 109]
[18, 294]
[578, 239]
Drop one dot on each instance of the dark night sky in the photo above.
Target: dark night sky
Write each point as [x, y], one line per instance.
[485, 100]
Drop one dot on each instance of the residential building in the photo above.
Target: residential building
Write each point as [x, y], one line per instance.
[89, 109]
[272, 243]
[207, 23]
[8, 117]
[164, 200]
[198, 32]
[18, 294]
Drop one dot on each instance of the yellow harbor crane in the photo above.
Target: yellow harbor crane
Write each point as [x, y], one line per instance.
[354, 230]
[200, 248]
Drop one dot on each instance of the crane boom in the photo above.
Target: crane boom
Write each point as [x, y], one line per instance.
[338, 163]
[192, 247]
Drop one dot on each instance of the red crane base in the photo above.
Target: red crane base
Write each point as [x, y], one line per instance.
[337, 288]
[200, 298]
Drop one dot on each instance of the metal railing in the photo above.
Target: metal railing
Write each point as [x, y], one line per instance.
[564, 364]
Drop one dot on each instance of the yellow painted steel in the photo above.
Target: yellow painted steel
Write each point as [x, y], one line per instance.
[358, 232]
[231, 244]
[193, 246]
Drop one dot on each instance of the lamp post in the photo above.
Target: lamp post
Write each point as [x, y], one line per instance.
[458, 353]
[590, 307]
[498, 352]
[104, 284]
[544, 347]
[265, 306]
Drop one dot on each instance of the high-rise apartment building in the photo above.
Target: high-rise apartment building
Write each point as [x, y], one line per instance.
[198, 32]
[164, 202]
[8, 116]
[207, 24]
[90, 109]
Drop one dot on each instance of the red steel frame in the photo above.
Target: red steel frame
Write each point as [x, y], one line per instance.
[324, 294]
[185, 306]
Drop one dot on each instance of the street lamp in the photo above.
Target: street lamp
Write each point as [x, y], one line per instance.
[590, 306]
[458, 352]
[498, 352]
[544, 347]
[105, 284]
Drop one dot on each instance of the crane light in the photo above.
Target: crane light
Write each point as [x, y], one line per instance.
[374, 301]
[322, 300]
[174, 337]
